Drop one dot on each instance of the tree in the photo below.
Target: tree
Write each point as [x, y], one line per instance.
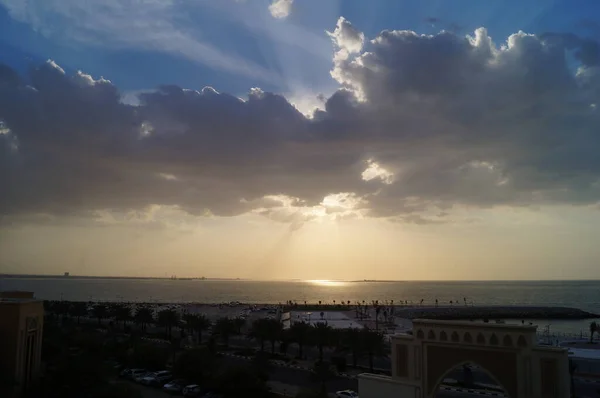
[195, 365]
[197, 323]
[143, 317]
[262, 365]
[373, 344]
[242, 382]
[122, 312]
[224, 328]
[377, 312]
[300, 334]
[78, 309]
[274, 332]
[260, 332]
[239, 324]
[100, 312]
[149, 356]
[322, 337]
[593, 329]
[168, 319]
[352, 339]
[322, 373]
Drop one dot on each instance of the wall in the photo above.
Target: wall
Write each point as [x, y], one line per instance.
[9, 333]
[377, 386]
[14, 330]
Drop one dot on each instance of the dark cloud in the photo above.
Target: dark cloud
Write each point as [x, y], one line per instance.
[421, 123]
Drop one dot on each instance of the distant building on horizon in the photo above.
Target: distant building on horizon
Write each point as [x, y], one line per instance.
[66, 275]
[21, 327]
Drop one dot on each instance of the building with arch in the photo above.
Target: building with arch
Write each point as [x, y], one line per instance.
[509, 354]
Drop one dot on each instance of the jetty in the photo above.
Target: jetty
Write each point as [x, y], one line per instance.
[492, 312]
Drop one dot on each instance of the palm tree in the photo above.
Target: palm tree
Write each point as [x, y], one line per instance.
[322, 373]
[353, 341]
[322, 337]
[593, 329]
[197, 323]
[274, 332]
[259, 331]
[100, 311]
[121, 312]
[143, 316]
[187, 321]
[239, 324]
[300, 334]
[373, 344]
[201, 323]
[78, 309]
[168, 319]
[224, 327]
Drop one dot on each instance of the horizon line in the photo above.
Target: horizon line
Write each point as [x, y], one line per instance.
[62, 276]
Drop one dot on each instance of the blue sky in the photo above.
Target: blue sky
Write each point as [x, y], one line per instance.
[292, 55]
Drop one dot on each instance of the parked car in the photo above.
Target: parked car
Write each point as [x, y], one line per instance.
[193, 390]
[132, 373]
[138, 378]
[158, 379]
[125, 372]
[175, 386]
[346, 394]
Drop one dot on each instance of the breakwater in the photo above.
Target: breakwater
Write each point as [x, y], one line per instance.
[493, 312]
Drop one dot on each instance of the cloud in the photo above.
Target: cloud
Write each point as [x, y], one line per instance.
[156, 25]
[281, 9]
[420, 125]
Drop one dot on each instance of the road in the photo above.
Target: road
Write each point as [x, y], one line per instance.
[301, 378]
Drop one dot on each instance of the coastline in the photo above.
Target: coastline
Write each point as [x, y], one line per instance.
[481, 312]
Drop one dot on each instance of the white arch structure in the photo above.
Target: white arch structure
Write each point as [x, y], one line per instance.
[509, 353]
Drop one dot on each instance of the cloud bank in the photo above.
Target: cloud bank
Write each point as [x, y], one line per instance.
[420, 124]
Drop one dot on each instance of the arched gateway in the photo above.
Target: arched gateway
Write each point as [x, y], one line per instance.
[509, 352]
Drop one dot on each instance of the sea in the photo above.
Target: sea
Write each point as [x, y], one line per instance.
[584, 295]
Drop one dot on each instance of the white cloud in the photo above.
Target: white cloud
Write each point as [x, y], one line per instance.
[346, 37]
[375, 171]
[281, 9]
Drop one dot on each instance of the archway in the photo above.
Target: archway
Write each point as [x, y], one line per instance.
[501, 358]
[468, 378]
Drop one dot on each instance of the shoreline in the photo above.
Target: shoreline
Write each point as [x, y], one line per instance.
[477, 312]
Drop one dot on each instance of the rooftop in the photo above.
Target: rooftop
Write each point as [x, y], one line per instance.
[17, 296]
[474, 324]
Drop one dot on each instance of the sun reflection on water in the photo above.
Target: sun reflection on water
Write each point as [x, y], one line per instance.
[327, 283]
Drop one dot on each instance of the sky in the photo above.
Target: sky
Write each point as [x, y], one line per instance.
[300, 139]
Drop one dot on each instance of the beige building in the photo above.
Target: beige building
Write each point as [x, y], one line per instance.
[21, 327]
[508, 354]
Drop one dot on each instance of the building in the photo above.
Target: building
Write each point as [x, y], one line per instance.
[586, 361]
[21, 327]
[335, 319]
[507, 354]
